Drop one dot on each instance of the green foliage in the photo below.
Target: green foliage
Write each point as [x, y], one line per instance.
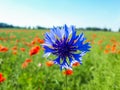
[99, 71]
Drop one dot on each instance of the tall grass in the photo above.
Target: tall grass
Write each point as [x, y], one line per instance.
[99, 71]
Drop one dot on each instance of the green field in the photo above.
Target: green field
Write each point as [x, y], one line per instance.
[100, 69]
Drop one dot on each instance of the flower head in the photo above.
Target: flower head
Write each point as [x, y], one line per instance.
[49, 63]
[1, 78]
[26, 62]
[22, 49]
[66, 45]
[3, 49]
[68, 72]
[34, 50]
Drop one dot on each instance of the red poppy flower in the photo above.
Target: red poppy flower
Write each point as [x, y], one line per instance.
[14, 48]
[3, 49]
[28, 60]
[22, 49]
[76, 64]
[40, 41]
[34, 50]
[1, 78]
[68, 72]
[24, 65]
[49, 63]
[14, 52]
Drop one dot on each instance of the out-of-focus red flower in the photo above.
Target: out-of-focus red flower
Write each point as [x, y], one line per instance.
[14, 48]
[76, 64]
[28, 60]
[33, 42]
[68, 72]
[37, 40]
[14, 52]
[40, 41]
[49, 63]
[113, 49]
[94, 36]
[2, 78]
[3, 49]
[106, 51]
[24, 65]
[22, 49]
[17, 41]
[1, 46]
[100, 42]
[34, 50]
[108, 46]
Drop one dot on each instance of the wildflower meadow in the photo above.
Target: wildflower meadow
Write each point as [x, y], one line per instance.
[33, 60]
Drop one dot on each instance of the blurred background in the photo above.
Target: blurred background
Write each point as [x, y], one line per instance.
[102, 14]
[23, 24]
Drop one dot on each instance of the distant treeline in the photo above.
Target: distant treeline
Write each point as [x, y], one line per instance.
[5, 25]
[95, 29]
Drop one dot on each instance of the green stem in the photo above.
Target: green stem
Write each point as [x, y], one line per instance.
[66, 81]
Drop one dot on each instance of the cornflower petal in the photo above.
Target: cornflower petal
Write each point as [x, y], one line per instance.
[48, 49]
[57, 61]
[56, 32]
[48, 39]
[66, 32]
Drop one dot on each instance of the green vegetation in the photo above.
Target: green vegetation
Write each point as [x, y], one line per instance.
[100, 69]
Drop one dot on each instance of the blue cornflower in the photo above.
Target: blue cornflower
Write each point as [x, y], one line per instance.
[66, 45]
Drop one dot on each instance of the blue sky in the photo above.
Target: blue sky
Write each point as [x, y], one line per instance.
[81, 13]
